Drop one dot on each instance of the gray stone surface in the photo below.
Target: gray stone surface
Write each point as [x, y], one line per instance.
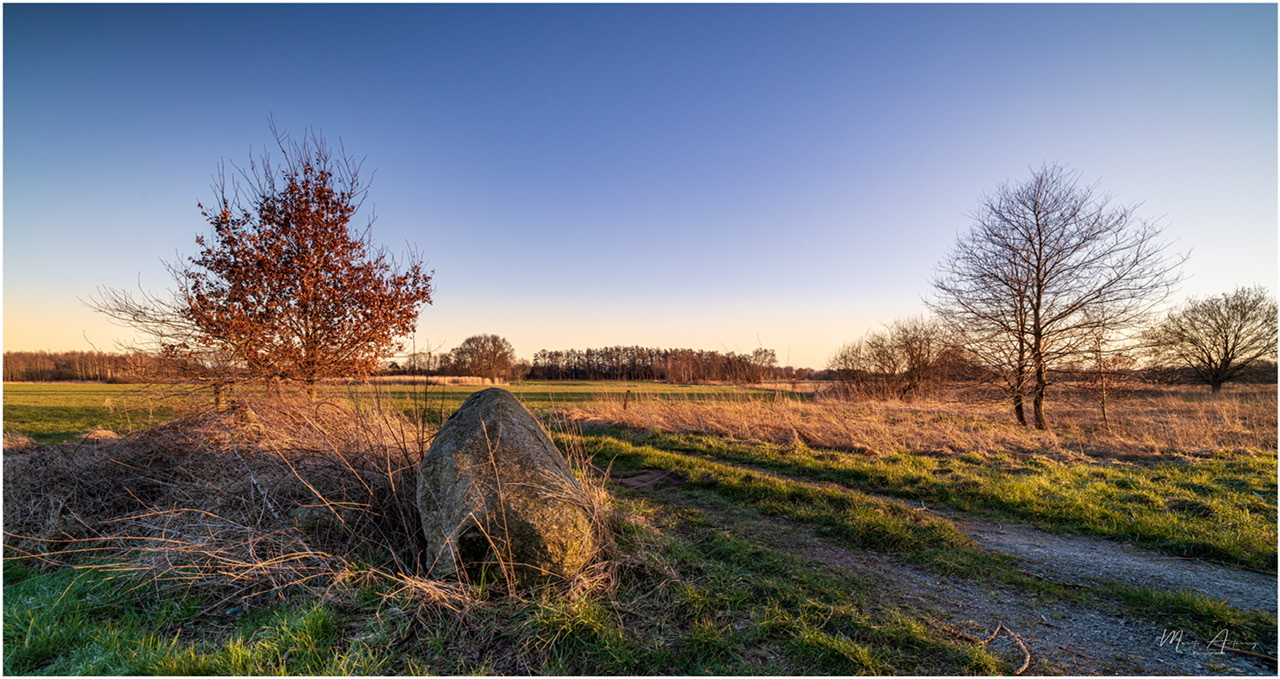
[494, 488]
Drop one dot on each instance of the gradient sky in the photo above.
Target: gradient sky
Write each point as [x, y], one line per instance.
[707, 176]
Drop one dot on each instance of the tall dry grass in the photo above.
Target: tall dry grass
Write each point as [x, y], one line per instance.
[1141, 424]
[272, 495]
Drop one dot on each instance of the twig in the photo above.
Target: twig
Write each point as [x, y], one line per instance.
[957, 633]
[1026, 662]
[257, 486]
[267, 500]
[996, 633]
[1045, 621]
[1249, 653]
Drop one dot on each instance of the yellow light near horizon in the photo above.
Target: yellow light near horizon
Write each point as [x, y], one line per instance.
[40, 325]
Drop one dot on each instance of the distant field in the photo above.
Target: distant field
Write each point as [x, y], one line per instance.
[53, 412]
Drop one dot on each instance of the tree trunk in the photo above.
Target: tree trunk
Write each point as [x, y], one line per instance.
[1037, 399]
[1103, 404]
[1017, 389]
[1037, 404]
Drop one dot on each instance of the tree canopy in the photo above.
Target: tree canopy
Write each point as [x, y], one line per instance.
[283, 288]
[487, 356]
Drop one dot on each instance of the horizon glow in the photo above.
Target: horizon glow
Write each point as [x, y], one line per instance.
[721, 177]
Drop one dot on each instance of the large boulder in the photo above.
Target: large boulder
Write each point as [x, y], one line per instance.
[494, 488]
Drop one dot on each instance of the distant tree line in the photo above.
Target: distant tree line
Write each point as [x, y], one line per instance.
[650, 363]
[74, 366]
[488, 356]
[492, 357]
[897, 362]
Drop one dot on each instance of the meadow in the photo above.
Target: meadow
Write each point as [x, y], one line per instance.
[59, 412]
[735, 514]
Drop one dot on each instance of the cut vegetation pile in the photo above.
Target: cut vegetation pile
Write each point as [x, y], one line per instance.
[266, 495]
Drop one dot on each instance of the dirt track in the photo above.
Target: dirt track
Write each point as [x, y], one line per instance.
[1079, 560]
[1059, 635]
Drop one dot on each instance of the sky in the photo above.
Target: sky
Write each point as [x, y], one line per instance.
[722, 177]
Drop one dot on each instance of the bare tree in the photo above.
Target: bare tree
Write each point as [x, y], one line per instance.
[282, 289]
[1045, 262]
[1107, 361]
[898, 362]
[1218, 338]
[759, 365]
[488, 356]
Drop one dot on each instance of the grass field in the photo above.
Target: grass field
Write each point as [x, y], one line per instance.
[55, 412]
[688, 590]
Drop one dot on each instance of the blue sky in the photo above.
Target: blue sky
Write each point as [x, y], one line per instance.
[706, 176]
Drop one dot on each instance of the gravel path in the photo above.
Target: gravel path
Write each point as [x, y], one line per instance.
[1079, 560]
[1061, 636]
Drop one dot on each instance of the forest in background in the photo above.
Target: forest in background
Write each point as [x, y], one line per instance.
[633, 363]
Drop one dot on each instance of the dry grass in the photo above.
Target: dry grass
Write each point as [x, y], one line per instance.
[15, 442]
[1145, 424]
[267, 497]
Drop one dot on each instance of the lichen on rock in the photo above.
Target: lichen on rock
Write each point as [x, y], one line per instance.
[493, 488]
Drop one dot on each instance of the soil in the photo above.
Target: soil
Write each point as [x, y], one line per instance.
[1058, 635]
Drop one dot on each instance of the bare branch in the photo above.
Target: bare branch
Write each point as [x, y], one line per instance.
[1046, 265]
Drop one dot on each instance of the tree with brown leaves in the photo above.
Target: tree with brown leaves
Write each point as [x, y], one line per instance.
[283, 289]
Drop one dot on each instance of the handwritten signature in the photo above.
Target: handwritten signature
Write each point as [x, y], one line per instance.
[1222, 640]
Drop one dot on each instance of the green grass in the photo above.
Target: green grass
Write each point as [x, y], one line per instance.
[58, 412]
[74, 622]
[1222, 509]
[436, 402]
[853, 518]
[689, 600]
[1203, 616]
